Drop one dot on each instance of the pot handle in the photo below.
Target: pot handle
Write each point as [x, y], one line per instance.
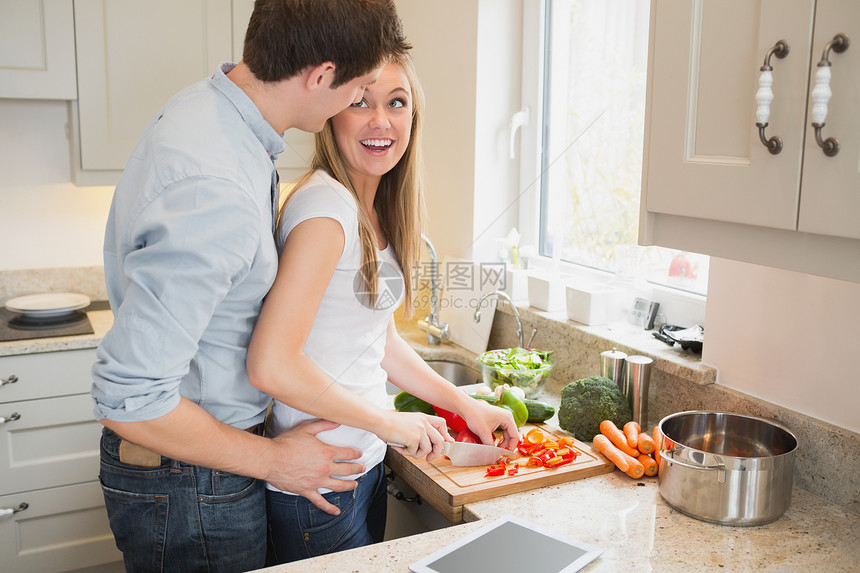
[669, 457]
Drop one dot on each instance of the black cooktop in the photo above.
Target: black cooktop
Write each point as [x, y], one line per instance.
[16, 327]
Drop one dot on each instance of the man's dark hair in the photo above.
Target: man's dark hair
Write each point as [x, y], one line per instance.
[286, 36]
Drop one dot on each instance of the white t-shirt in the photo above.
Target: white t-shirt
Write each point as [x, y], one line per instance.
[347, 340]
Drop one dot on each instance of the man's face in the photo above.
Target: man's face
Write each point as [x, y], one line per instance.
[335, 100]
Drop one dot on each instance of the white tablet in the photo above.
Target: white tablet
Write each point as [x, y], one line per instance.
[509, 544]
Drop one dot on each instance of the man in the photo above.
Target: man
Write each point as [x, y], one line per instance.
[189, 256]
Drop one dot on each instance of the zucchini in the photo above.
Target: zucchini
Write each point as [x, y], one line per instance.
[538, 411]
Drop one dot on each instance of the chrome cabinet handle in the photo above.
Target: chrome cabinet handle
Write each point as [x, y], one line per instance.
[10, 510]
[12, 418]
[764, 96]
[821, 94]
[11, 379]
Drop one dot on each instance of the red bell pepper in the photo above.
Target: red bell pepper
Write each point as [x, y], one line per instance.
[454, 421]
[557, 461]
[493, 471]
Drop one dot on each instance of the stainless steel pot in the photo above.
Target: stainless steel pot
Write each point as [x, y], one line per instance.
[726, 468]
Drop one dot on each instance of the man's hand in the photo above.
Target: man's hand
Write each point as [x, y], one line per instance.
[304, 463]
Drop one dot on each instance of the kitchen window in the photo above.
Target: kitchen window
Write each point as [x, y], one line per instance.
[584, 71]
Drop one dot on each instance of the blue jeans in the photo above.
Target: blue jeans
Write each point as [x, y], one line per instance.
[179, 517]
[298, 529]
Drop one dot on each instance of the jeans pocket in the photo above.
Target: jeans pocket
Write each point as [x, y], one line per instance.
[298, 529]
[139, 525]
[234, 522]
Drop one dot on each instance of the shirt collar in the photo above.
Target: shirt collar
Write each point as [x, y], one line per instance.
[272, 141]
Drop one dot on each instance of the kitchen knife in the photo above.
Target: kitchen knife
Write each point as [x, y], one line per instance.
[466, 454]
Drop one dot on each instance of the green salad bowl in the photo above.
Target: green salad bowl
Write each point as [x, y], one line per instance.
[517, 367]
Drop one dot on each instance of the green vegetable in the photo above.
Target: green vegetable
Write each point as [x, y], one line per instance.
[587, 402]
[517, 407]
[519, 367]
[406, 402]
[538, 411]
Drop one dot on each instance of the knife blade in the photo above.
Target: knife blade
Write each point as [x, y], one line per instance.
[466, 454]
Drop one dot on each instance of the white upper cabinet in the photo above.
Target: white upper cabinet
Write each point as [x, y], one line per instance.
[132, 57]
[710, 184]
[37, 49]
[830, 196]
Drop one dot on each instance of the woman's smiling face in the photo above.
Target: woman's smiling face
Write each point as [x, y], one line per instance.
[373, 134]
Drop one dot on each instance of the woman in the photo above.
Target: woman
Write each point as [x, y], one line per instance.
[326, 342]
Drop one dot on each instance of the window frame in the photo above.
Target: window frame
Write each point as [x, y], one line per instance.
[676, 306]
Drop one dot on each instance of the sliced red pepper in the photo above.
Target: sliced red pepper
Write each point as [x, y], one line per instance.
[454, 421]
[493, 471]
[545, 455]
[557, 461]
[513, 470]
[534, 462]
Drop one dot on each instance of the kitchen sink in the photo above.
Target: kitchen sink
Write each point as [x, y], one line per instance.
[456, 373]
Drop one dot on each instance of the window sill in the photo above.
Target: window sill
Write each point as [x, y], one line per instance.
[577, 347]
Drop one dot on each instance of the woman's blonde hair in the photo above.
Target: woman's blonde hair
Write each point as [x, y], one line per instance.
[399, 201]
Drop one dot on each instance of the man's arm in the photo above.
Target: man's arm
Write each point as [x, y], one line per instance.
[295, 461]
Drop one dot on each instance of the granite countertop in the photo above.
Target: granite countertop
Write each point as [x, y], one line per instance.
[629, 520]
[637, 531]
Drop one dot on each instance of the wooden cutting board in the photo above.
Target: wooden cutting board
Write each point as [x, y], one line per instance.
[447, 488]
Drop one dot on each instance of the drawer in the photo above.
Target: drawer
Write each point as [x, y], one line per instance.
[53, 441]
[46, 374]
[63, 528]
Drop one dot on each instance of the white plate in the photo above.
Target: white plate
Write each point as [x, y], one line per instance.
[47, 305]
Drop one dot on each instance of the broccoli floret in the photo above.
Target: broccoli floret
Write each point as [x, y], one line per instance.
[587, 402]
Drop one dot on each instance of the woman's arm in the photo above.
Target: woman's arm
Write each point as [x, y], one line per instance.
[278, 365]
[409, 372]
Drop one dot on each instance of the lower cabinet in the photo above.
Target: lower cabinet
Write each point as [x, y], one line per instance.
[63, 528]
[52, 513]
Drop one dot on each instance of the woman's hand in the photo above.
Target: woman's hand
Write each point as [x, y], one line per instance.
[484, 418]
[420, 434]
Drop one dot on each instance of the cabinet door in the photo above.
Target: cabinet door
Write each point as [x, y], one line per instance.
[37, 49]
[53, 441]
[132, 57]
[830, 194]
[704, 158]
[63, 528]
[46, 375]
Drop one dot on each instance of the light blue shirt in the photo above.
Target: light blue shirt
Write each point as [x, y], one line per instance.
[189, 255]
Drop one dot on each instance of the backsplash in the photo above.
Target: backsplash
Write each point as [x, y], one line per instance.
[828, 456]
[85, 280]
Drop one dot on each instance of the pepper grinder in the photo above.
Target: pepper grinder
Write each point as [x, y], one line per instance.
[637, 376]
[612, 367]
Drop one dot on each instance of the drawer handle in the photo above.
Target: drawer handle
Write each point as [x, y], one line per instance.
[12, 418]
[821, 94]
[11, 510]
[10, 380]
[764, 96]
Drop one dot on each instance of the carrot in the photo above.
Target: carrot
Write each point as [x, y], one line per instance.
[645, 444]
[629, 465]
[656, 436]
[631, 432]
[616, 436]
[649, 464]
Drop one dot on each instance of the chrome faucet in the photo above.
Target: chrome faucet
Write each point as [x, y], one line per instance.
[505, 296]
[436, 332]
